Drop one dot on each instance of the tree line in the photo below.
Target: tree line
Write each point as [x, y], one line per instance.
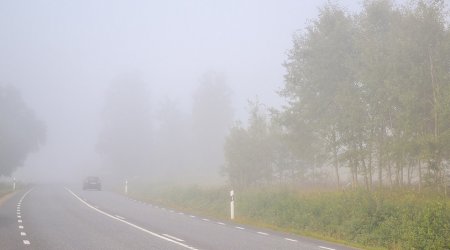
[21, 132]
[162, 142]
[367, 96]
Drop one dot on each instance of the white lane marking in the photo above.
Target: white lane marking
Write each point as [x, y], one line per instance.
[241, 228]
[20, 221]
[262, 233]
[205, 219]
[23, 234]
[26, 242]
[120, 217]
[18, 216]
[290, 239]
[221, 223]
[21, 227]
[326, 248]
[181, 213]
[23, 197]
[192, 216]
[173, 237]
[131, 224]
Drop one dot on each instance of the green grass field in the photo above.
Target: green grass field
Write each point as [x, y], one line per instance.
[399, 219]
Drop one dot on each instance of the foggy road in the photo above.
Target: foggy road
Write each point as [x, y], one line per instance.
[58, 217]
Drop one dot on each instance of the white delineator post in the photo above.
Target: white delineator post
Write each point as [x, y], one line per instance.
[232, 204]
[126, 186]
[14, 184]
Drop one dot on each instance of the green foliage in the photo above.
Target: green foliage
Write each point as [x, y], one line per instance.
[372, 88]
[391, 219]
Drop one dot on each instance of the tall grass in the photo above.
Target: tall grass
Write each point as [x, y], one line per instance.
[397, 219]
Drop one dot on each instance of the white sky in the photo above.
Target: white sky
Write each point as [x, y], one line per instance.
[62, 54]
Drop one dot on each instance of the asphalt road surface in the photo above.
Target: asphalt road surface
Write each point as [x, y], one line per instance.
[57, 217]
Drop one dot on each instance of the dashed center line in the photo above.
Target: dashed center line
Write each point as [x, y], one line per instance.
[221, 223]
[192, 216]
[262, 233]
[241, 228]
[205, 219]
[25, 242]
[290, 239]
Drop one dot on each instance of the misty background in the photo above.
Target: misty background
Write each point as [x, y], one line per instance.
[67, 57]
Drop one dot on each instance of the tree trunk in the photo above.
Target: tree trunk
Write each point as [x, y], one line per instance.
[390, 173]
[380, 165]
[335, 159]
[420, 176]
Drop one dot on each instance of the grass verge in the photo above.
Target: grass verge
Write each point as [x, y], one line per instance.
[384, 219]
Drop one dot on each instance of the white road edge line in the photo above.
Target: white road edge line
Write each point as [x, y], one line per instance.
[120, 217]
[131, 224]
[326, 248]
[23, 196]
[262, 233]
[173, 237]
[290, 239]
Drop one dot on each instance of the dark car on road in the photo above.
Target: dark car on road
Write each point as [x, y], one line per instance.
[92, 182]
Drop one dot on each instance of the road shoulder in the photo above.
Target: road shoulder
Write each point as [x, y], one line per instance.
[6, 197]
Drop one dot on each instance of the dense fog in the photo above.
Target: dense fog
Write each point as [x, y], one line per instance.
[143, 88]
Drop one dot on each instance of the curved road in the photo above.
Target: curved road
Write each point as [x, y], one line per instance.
[56, 217]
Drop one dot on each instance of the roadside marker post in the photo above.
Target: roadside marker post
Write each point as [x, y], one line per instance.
[126, 186]
[14, 184]
[232, 204]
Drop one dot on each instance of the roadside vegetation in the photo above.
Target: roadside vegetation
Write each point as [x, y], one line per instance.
[366, 115]
[382, 219]
[5, 188]
[367, 104]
